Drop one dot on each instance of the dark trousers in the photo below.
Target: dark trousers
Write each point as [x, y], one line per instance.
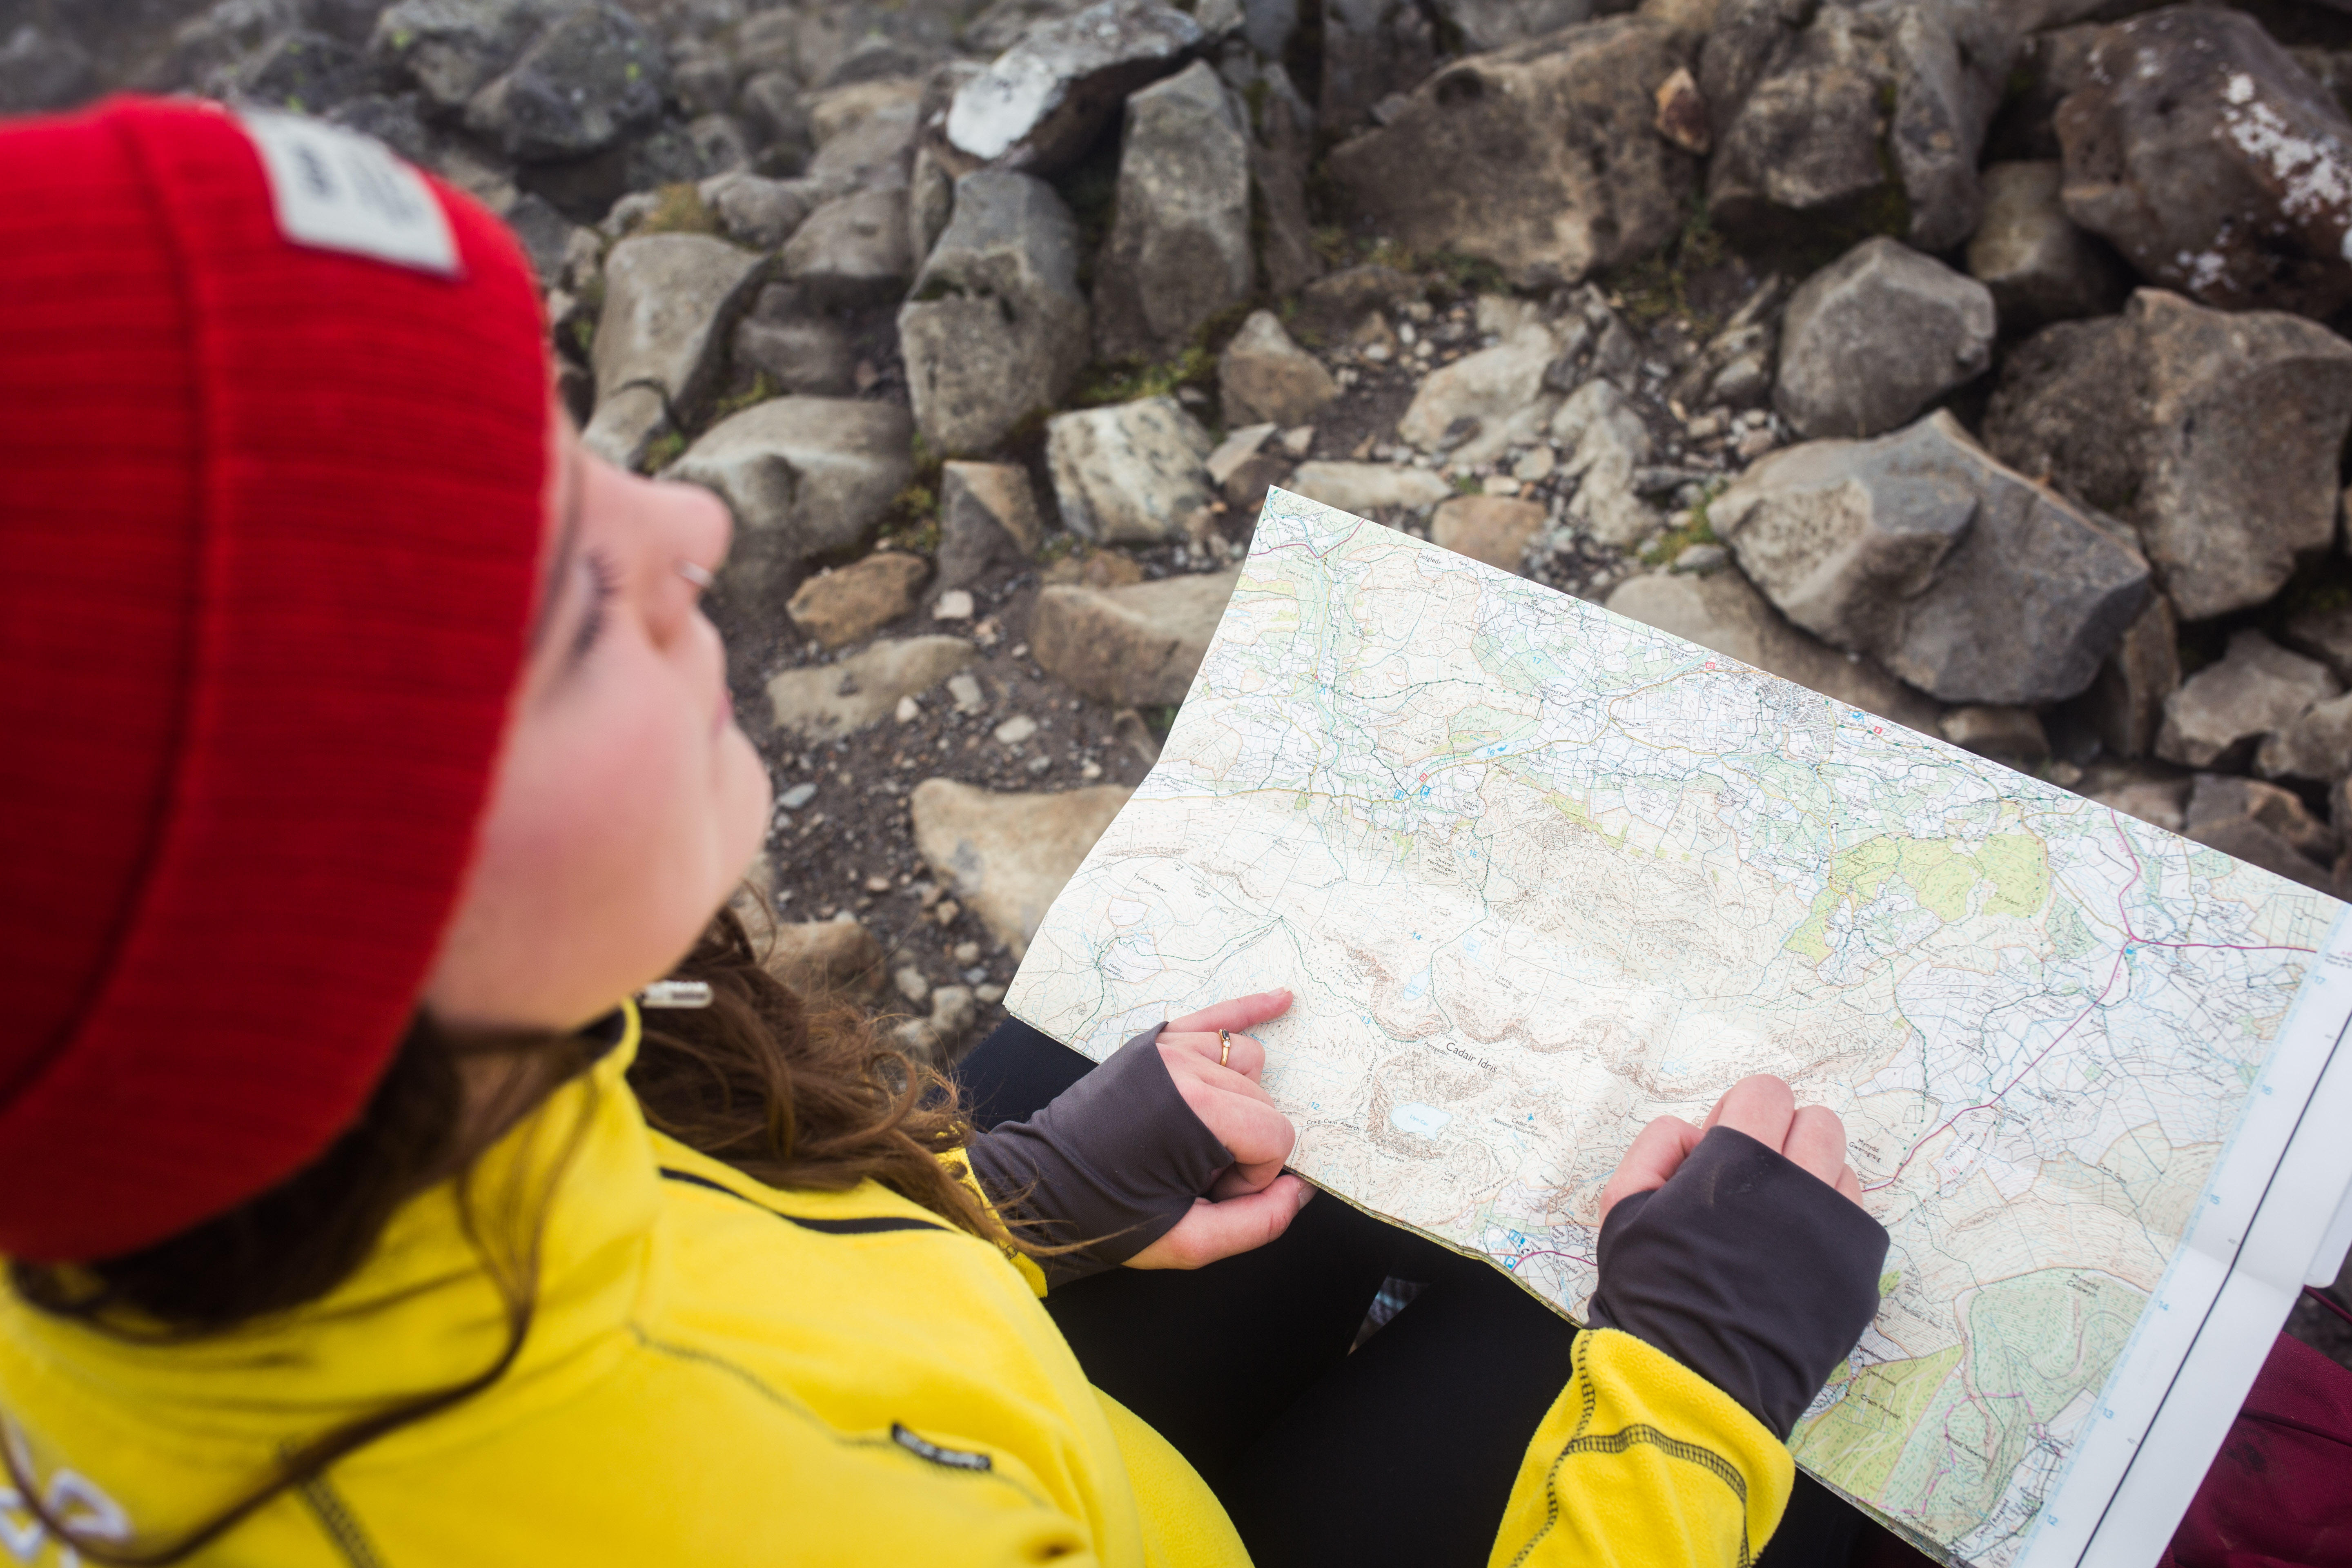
[1404, 1451]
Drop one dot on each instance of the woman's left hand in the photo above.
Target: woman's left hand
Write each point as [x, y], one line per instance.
[1252, 1202]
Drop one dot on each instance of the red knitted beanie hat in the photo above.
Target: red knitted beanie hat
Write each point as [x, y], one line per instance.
[273, 428]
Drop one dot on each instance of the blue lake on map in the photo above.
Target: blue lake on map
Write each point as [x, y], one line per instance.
[1424, 1119]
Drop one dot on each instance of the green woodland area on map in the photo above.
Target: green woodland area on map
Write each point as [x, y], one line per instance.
[1935, 1441]
[1940, 874]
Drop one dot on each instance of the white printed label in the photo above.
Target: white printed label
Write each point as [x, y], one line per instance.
[338, 190]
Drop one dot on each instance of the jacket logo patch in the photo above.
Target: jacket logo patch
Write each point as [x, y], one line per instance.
[953, 1458]
[70, 1498]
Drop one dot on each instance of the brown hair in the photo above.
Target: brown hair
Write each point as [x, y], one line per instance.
[791, 1094]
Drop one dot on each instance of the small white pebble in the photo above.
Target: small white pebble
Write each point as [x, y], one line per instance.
[1015, 730]
[955, 604]
[989, 994]
[911, 983]
[965, 690]
[947, 911]
[1090, 769]
[967, 953]
[908, 710]
[799, 795]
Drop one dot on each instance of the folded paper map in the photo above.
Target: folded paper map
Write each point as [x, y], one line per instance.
[1537, 873]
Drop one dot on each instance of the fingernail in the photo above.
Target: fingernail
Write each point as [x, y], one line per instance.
[1305, 1194]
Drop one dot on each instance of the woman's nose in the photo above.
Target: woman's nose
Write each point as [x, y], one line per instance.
[704, 527]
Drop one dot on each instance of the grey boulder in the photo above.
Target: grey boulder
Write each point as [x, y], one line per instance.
[2216, 434]
[2212, 162]
[1873, 337]
[2012, 737]
[39, 71]
[2126, 703]
[1367, 490]
[1179, 251]
[2040, 265]
[1723, 610]
[803, 476]
[621, 428]
[1918, 550]
[1812, 108]
[670, 300]
[2324, 633]
[590, 76]
[2156, 793]
[1263, 375]
[864, 132]
[669, 304]
[800, 349]
[1137, 646]
[1484, 25]
[1487, 402]
[452, 48]
[303, 71]
[2256, 691]
[825, 702]
[988, 516]
[1541, 158]
[1605, 440]
[996, 327]
[759, 212]
[1495, 530]
[1371, 50]
[1282, 153]
[1132, 473]
[853, 250]
[2315, 744]
[1039, 104]
[2263, 824]
[1006, 856]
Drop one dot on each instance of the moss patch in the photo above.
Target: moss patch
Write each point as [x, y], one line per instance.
[662, 451]
[763, 387]
[679, 209]
[1694, 529]
[1659, 284]
[913, 520]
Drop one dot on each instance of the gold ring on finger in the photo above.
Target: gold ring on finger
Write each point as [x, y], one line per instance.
[1225, 1047]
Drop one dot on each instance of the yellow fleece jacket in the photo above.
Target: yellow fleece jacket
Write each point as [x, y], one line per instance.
[721, 1372]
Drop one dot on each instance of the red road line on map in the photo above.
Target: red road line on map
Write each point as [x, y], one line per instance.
[2131, 938]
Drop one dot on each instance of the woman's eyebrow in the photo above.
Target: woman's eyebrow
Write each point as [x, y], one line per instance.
[567, 546]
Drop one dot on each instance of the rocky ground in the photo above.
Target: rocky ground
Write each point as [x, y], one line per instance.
[1978, 362]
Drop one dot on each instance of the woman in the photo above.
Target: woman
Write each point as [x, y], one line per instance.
[368, 753]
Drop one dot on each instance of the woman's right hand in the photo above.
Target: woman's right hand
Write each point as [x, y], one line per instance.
[1252, 1202]
[1763, 1107]
[1741, 1248]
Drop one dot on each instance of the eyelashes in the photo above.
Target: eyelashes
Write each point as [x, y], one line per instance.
[604, 581]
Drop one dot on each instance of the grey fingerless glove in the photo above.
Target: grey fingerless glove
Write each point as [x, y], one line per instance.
[1114, 1162]
[1745, 1267]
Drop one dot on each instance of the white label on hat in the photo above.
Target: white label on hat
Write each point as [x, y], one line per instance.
[338, 190]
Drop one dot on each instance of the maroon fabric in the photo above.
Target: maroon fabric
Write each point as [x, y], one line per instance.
[2280, 1492]
[270, 520]
[2279, 1495]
